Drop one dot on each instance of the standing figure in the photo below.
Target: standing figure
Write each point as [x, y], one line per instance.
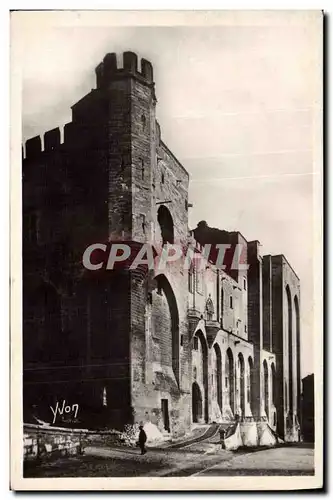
[142, 440]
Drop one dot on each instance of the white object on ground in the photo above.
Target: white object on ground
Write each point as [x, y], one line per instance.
[153, 433]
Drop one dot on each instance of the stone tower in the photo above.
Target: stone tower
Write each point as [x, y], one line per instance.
[111, 180]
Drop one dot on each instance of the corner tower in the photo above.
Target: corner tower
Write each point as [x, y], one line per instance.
[111, 179]
[130, 134]
[120, 114]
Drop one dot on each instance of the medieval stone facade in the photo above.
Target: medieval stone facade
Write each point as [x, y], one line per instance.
[176, 347]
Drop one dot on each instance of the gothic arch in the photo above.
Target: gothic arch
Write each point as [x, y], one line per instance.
[196, 403]
[199, 337]
[266, 388]
[274, 394]
[230, 378]
[290, 347]
[274, 385]
[218, 374]
[298, 354]
[250, 382]
[222, 303]
[241, 383]
[163, 285]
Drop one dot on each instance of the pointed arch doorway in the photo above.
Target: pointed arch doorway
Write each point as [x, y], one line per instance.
[196, 403]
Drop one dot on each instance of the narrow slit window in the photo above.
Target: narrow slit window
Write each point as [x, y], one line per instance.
[142, 170]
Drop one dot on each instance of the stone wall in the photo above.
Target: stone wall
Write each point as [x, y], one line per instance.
[39, 443]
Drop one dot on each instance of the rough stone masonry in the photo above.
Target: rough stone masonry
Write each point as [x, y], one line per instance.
[177, 348]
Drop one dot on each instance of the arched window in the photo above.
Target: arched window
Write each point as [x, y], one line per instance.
[218, 374]
[274, 399]
[290, 348]
[142, 170]
[229, 380]
[241, 382]
[266, 388]
[298, 354]
[200, 361]
[166, 304]
[250, 381]
[143, 121]
[104, 397]
[166, 224]
[222, 302]
[191, 279]
[197, 403]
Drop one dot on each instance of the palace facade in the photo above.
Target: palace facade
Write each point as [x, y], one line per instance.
[178, 347]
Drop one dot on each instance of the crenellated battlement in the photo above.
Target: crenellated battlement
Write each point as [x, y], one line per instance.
[52, 141]
[108, 69]
[36, 145]
[33, 147]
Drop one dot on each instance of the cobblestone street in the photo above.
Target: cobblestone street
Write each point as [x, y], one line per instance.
[199, 459]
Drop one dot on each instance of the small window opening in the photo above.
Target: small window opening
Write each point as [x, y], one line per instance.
[143, 222]
[142, 170]
[105, 401]
[191, 279]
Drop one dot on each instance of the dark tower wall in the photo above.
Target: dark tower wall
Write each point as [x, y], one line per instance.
[286, 344]
[279, 342]
[308, 409]
[267, 302]
[64, 210]
[255, 321]
[105, 183]
[75, 194]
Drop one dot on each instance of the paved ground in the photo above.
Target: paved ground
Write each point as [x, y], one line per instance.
[200, 459]
[286, 461]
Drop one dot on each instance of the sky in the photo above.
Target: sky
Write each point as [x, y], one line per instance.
[237, 105]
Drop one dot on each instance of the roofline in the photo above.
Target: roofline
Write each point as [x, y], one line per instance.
[282, 256]
[238, 232]
[173, 156]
